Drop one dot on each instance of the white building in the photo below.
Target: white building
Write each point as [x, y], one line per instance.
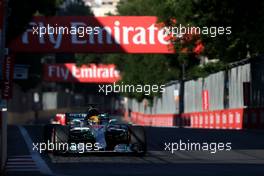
[102, 7]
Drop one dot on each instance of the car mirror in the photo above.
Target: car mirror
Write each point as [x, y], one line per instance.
[112, 121]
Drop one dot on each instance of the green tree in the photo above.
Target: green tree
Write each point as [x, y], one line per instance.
[245, 19]
[77, 8]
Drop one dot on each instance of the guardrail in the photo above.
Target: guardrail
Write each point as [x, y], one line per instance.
[240, 118]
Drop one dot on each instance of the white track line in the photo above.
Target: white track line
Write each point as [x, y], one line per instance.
[20, 159]
[20, 163]
[21, 166]
[43, 167]
[22, 170]
[25, 163]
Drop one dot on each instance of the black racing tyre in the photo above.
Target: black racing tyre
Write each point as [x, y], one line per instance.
[138, 140]
[60, 137]
[47, 132]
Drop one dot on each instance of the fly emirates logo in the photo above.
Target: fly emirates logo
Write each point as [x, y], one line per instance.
[69, 72]
[93, 34]
[81, 33]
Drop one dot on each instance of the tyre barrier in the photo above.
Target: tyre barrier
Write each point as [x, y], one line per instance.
[251, 118]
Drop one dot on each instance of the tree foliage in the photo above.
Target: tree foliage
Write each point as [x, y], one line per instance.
[244, 17]
[77, 8]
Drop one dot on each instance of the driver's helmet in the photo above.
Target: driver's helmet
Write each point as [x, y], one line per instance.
[92, 112]
[94, 119]
[93, 115]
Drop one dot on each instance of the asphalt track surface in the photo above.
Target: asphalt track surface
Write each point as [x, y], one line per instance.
[245, 158]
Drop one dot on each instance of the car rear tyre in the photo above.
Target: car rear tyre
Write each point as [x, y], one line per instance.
[60, 139]
[47, 131]
[138, 140]
[48, 135]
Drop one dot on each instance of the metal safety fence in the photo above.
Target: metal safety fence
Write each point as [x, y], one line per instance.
[232, 98]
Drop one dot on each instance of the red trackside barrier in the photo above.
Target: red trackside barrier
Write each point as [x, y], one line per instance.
[217, 119]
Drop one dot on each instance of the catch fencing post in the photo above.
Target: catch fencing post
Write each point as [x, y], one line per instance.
[3, 103]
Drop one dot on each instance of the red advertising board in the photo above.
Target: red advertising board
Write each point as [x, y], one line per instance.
[70, 72]
[8, 71]
[86, 34]
[205, 100]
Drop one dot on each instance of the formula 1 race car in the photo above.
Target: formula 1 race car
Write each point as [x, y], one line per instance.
[93, 132]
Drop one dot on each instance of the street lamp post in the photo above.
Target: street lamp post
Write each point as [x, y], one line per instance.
[3, 113]
[181, 102]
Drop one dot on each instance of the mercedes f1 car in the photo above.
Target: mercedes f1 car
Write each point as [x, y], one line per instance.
[93, 132]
